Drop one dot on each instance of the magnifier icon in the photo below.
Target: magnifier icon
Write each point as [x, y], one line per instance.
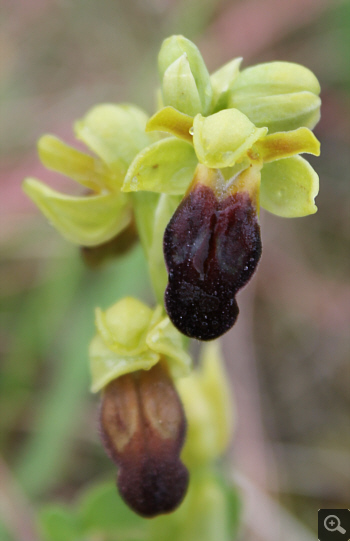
[332, 524]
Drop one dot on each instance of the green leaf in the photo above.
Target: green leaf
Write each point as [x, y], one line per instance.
[171, 50]
[222, 139]
[272, 78]
[164, 167]
[87, 221]
[116, 133]
[288, 187]
[87, 170]
[57, 523]
[222, 81]
[282, 112]
[179, 87]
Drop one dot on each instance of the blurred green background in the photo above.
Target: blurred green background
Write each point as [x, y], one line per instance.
[288, 356]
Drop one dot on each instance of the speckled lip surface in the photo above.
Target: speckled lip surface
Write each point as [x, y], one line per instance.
[211, 249]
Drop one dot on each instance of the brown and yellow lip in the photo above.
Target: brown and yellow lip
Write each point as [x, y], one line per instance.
[212, 247]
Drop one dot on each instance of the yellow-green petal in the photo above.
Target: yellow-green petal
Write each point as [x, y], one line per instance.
[285, 144]
[222, 81]
[168, 342]
[116, 133]
[87, 170]
[179, 87]
[87, 221]
[222, 139]
[289, 187]
[107, 365]
[124, 326]
[272, 78]
[282, 112]
[171, 50]
[172, 121]
[164, 167]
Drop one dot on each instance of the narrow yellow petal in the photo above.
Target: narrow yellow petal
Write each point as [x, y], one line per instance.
[285, 144]
[170, 120]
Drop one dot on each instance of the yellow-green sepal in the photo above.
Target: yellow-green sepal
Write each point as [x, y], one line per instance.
[116, 133]
[222, 139]
[282, 112]
[286, 144]
[289, 187]
[170, 120]
[167, 167]
[191, 62]
[166, 340]
[84, 169]
[222, 81]
[131, 336]
[86, 221]
[107, 365]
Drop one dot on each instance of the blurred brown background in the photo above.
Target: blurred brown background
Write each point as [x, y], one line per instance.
[290, 350]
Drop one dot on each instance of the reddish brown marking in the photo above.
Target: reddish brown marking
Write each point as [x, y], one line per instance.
[143, 428]
[211, 250]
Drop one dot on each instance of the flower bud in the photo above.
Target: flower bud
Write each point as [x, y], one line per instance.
[143, 428]
[280, 95]
[185, 78]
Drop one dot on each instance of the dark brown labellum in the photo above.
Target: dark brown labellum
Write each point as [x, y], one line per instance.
[143, 428]
[212, 246]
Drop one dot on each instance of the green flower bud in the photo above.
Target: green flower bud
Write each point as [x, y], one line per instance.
[280, 95]
[184, 76]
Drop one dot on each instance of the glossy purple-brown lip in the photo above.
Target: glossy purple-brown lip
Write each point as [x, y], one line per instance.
[143, 429]
[211, 248]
